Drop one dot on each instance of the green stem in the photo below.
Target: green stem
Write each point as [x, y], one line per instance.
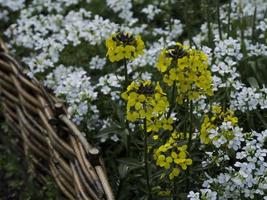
[128, 139]
[174, 196]
[172, 99]
[265, 33]
[218, 18]
[191, 123]
[254, 25]
[170, 15]
[229, 18]
[186, 118]
[242, 28]
[125, 74]
[209, 25]
[126, 83]
[187, 22]
[146, 161]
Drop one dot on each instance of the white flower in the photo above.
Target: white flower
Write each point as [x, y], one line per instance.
[193, 195]
[151, 11]
[110, 84]
[114, 138]
[13, 5]
[248, 98]
[208, 194]
[123, 7]
[97, 63]
[75, 86]
[105, 89]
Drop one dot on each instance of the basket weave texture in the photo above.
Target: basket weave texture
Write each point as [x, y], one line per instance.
[52, 144]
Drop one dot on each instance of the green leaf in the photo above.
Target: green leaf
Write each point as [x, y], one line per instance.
[123, 171]
[131, 162]
[253, 82]
[107, 131]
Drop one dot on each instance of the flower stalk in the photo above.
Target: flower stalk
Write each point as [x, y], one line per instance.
[126, 83]
[128, 136]
[146, 160]
[190, 123]
[219, 19]
[172, 105]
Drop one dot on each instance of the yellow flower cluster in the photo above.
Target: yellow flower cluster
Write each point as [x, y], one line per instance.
[212, 122]
[144, 101]
[124, 46]
[172, 157]
[156, 124]
[187, 69]
[177, 135]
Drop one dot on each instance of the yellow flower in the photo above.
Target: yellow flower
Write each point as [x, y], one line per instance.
[124, 46]
[155, 137]
[132, 116]
[163, 61]
[122, 52]
[173, 157]
[188, 69]
[167, 124]
[148, 102]
[139, 45]
[154, 125]
[183, 62]
[216, 109]
[110, 43]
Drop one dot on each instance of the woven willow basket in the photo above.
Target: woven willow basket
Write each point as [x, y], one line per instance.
[52, 144]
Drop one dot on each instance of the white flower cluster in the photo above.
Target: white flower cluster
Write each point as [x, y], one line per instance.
[111, 84]
[51, 33]
[13, 5]
[200, 106]
[4, 15]
[227, 54]
[248, 98]
[176, 29]
[58, 6]
[242, 8]
[97, 63]
[151, 11]
[73, 85]
[7, 7]
[228, 48]
[256, 49]
[262, 26]
[10, 6]
[227, 51]
[246, 178]
[218, 138]
[123, 7]
[171, 31]
[205, 194]
[80, 26]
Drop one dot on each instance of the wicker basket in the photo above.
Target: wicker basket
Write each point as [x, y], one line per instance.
[52, 144]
